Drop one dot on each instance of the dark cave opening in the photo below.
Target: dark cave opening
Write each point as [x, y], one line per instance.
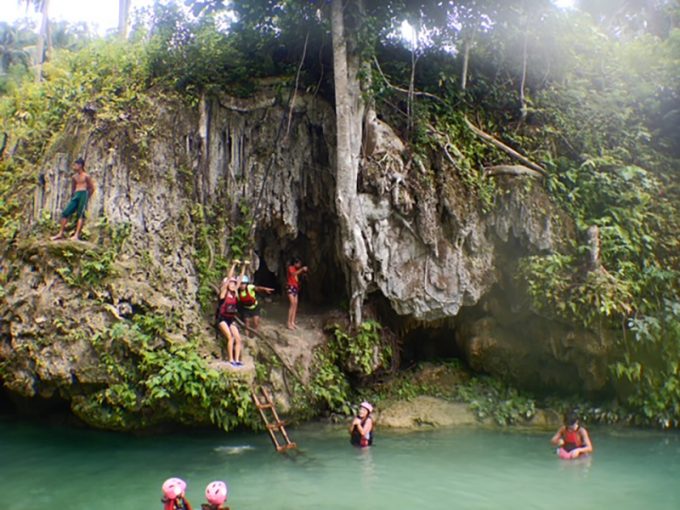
[419, 341]
[39, 408]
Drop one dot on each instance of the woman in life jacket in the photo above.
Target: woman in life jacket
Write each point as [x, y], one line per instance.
[173, 495]
[571, 439]
[361, 429]
[295, 269]
[228, 310]
[216, 494]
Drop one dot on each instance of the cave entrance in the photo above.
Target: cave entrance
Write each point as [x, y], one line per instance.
[36, 408]
[323, 285]
[420, 341]
[429, 343]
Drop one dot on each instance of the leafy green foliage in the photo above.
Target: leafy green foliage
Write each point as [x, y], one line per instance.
[650, 364]
[491, 398]
[91, 267]
[153, 379]
[362, 353]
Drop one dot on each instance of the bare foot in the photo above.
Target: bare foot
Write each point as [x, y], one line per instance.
[290, 326]
[57, 237]
[75, 238]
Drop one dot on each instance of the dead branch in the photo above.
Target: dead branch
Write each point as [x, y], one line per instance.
[515, 170]
[500, 145]
[405, 91]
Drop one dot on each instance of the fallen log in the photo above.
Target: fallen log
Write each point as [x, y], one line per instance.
[508, 150]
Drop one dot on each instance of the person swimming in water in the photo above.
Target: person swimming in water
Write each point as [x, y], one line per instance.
[361, 429]
[174, 497]
[571, 439]
[216, 493]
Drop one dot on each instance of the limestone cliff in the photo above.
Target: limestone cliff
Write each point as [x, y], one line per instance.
[433, 252]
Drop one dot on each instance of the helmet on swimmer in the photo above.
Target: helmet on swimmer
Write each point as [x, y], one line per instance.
[245, 279]
[216, 492]
[366, 406]
[174, 487]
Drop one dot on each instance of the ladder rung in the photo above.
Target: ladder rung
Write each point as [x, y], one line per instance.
[275, 426]
[265, 406]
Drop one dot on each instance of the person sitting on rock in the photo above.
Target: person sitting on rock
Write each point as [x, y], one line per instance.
[216, 494]
[571, 439]
[361, 429]
[228, 310]
[248, 305]
[174, 497]
[82, 188]
[295, 269]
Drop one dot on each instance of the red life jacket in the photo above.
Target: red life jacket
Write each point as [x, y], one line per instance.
[572, 439]
[228, 308]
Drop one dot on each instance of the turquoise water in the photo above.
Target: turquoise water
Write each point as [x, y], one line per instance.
[61, 468]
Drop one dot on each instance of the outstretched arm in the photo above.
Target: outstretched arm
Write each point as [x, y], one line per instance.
[265, 290]
[303, 269]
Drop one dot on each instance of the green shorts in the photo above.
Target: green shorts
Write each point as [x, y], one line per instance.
[78, 203]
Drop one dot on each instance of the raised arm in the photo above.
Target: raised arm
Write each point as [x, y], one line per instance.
[230, 274]
[243, 272]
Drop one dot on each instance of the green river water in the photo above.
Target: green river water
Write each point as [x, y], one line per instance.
[65, 468]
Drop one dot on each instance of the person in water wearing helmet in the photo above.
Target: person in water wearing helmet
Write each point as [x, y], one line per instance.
[248, 306]
[295, 269]
[226, 317]
[361, 429]
[571, 439]
[174, 495]
[216, 494]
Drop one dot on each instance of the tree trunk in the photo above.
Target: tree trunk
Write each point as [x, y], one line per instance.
[42, 38]
[522, 99]
[123, 14]
[349, 110]
[466, 61]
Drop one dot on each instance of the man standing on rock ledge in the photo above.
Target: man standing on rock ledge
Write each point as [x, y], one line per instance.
[82, 188]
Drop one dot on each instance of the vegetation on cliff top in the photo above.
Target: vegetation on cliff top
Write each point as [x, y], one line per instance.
[591, 96]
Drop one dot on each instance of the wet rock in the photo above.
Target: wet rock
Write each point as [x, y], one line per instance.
[424, 411]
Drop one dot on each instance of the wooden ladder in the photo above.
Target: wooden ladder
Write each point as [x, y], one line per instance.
[276, 427]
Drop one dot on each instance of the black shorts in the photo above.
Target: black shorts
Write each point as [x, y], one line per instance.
[248, 313]
[292, 290]
[228, 320]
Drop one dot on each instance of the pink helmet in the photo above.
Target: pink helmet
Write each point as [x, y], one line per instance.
[216, 493]
[174, 487]
[366, 406]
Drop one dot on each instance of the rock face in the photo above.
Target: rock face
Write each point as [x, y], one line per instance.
[432, 250]
[425, 412]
